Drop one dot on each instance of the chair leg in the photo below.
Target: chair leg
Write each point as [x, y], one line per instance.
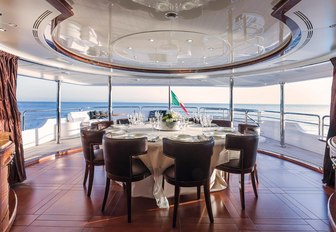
[86, 173]
[176, 204]
[107, 190]
[163, 179]
[256, 173]
[208, 201]
[129, 201]
[91, 175]
[198, 192]
[242, 191]
[254, 184]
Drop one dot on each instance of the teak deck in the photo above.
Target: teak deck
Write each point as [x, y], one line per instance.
[291, 198]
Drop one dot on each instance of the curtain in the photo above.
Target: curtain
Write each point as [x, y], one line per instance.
[328, 171]
[10, 115]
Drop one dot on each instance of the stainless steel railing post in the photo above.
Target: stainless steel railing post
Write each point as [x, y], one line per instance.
[282, 114]
[58, 136]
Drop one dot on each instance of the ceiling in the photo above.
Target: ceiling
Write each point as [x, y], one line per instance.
[170, 42]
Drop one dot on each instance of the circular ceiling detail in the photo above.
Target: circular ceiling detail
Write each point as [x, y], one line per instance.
[171, 49]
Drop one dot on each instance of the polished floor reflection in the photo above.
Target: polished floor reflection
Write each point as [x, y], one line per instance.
[291, 198]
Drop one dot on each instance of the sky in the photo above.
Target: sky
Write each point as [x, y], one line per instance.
[308, 92]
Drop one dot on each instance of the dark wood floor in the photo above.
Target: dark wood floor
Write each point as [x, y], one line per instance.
[291, 198]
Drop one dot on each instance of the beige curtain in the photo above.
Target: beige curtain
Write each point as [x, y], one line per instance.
[328, 171]
[9, 113]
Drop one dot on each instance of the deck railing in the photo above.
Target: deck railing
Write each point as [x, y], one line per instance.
[240, 115]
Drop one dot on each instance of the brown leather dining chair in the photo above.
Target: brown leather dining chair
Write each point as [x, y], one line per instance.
[247, 145]
[221, 123]
[191, 169]
[123, 121]
[92, 153]
[101, 125]
[250, 129]
[121, 164]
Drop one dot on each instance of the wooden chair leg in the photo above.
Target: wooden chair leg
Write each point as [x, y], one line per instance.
[242, 191]
[198, 192]
[163, 180]
[86, 173]
[107, 190]
[254, 184]
[91, 175]
[129, 201]
[176, 204]
[256, 172]
[208, 201]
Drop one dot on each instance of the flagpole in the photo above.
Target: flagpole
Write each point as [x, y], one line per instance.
[169, 100]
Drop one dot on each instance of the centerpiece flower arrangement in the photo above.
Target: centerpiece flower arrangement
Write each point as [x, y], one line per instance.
[171, 120]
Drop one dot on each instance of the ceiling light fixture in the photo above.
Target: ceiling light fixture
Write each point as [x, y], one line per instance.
[172, 5]
[189, 40]
[2, 29]
[151, 40]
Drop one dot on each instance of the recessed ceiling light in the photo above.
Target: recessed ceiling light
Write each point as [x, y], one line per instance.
[157, 61]
[2, 29]
[151, 40]
[189, 40]
[130, 48]
[12, 24]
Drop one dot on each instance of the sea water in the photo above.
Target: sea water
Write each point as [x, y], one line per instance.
[36, 113]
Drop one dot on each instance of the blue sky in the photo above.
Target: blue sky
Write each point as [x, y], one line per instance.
[308, 92]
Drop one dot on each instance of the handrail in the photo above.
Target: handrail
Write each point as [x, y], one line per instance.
[43, 110]
[323, 124]
[245, 114]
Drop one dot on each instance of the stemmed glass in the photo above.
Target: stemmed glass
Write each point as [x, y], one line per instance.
[152, 122]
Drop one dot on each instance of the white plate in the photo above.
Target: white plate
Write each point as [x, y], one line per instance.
[226, 129]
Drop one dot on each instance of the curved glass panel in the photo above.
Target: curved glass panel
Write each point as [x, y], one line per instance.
[170, 35]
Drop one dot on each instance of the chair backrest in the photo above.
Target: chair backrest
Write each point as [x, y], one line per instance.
[247, 145]
[222, 123]
[101, 125]
[192, 159]
[248, 129]
[90, 137]
[118, 154]
[123, 121]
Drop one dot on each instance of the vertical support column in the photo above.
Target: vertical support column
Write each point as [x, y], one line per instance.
[169, 99]
[58, 105]
[231, 101]
[282, 114]
[110, 98]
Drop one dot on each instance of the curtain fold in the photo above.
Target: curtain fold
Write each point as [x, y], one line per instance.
[328, 171]
[9, 113]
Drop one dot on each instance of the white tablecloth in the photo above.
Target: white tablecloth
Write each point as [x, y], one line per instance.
[157, 162]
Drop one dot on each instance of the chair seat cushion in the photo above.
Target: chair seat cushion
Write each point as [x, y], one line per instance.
[98, 156]
[139, 170]
[233, 166]
[169, 173]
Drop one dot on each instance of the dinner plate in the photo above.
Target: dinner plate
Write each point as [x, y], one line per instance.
[139, 135]
[226, 129]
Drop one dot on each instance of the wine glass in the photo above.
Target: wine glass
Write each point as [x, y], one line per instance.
[152, 122]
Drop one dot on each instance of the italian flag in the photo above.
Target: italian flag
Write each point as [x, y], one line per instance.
[176, 102]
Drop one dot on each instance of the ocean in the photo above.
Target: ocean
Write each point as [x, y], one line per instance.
[36, 113]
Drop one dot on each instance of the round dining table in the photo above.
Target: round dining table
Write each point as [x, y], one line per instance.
[157, 162]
